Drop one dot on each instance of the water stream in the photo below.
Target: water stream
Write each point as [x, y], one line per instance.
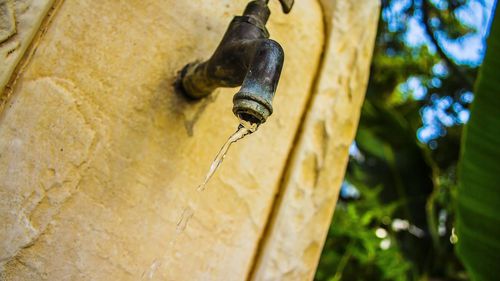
[245, 128]
[186, 215]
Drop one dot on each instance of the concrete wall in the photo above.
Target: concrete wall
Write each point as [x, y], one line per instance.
[99, 157]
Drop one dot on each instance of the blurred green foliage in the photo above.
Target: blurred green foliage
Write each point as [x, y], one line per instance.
[399, 224]
[354, 251]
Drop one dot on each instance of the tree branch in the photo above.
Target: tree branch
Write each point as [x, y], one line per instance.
[449, 62]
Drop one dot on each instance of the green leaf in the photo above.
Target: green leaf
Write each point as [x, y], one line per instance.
[478, 198]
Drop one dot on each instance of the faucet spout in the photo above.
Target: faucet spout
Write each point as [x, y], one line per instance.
[254, 99]
[245, 57]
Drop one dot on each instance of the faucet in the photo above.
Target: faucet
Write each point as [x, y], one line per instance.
[245, 56]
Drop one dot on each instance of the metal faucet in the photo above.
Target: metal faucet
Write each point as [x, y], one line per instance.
[245, 56]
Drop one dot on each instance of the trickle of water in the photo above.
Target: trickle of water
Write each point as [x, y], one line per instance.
[186, 215]
[245, 128]
[148, 274]
[182, 222]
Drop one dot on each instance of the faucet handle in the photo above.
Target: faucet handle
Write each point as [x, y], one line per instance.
[286, 5]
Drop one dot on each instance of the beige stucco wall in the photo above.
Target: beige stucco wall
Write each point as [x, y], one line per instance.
[99, 157]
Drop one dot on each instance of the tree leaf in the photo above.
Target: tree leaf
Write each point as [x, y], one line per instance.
[478, 198]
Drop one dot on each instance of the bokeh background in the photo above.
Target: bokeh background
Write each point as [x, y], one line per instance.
[395, 215]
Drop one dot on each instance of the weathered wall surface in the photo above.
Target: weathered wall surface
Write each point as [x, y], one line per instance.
[19, 22]
[99, 157]
[302, 215]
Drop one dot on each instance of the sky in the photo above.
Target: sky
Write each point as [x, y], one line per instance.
[468, 50]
